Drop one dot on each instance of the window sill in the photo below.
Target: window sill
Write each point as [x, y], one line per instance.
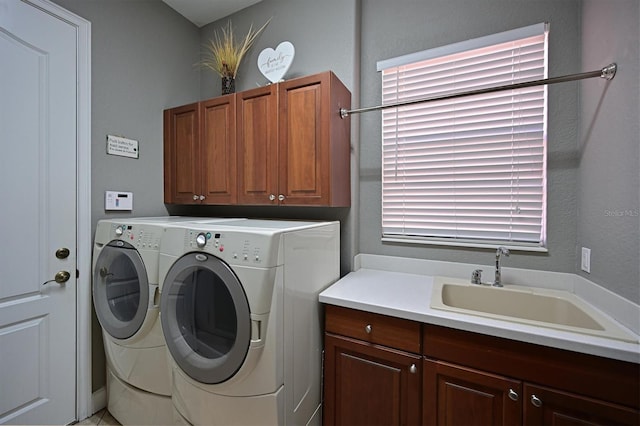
[465, 243]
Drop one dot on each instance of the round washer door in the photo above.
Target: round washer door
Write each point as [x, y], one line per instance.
[205, 318]
[120, 289]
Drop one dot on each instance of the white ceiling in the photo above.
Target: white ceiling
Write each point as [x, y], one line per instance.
[203, 12]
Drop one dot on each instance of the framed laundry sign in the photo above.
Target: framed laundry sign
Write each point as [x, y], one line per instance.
[124, 147]
[274, 64]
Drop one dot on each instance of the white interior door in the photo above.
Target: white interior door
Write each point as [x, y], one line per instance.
[38, 136]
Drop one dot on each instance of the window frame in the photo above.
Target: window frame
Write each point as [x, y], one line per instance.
[452, 49]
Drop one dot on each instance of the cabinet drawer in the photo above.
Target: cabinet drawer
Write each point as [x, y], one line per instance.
[374, 328]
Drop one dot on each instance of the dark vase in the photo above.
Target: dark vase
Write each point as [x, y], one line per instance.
[228, 85]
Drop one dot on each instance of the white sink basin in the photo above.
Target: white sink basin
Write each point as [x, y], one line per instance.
[529, 305]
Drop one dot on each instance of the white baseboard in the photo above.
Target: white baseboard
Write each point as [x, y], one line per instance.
[98, 400]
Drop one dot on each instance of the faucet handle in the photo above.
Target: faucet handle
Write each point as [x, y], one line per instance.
[476, 276]
[502, 250]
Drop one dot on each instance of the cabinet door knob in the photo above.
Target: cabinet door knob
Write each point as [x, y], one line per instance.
[413, 369]
[537, 402]
[280, 197]
[513, 395]
[368, 328]
[195, 197]
[272, 197]
[202, 197]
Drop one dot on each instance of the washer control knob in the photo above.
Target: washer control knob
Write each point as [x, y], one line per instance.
[201, 240]
[119, 230]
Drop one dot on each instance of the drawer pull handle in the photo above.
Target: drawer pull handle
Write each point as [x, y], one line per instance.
[368, 328]
[513, 395]
[537, 402]
[413, 369]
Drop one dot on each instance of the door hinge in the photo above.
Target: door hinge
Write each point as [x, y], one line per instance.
[77, 274]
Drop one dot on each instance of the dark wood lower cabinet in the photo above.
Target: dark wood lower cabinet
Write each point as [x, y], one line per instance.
[544, 406]
[374, 375]
[368, 385]
[455, 395]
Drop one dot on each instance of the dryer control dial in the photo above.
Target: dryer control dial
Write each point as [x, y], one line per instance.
[201, 240]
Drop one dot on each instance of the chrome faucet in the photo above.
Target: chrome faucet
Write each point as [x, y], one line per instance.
[476, 276]
[497, 282]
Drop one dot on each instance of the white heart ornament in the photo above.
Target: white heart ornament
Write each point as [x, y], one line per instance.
[274, 64]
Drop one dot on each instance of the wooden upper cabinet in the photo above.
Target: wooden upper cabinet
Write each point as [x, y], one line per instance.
[218, 150]
[181, 154]
[200, 153]
[257, 133]
[281, 144]
[314, 148]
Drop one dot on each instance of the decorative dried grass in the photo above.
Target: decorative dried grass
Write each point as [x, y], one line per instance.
[223, 55]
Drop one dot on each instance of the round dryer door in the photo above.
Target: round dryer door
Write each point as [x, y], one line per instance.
[205, 318]
[120, 289]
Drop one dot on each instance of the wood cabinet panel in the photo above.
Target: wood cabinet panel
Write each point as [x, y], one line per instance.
[593, 376]
[545, 406]
[257, 139]
[314, 148]
[218, 150]
[281, 144]
[467, 378]
[200, 152]
[374, 328]
[181, 151]
[370, 385]
[455, 395]
[303, 144]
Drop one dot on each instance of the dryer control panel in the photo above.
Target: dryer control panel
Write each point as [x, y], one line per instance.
[142, 237]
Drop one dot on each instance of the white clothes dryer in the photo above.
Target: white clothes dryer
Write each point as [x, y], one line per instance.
[126, 300]
[241, 318]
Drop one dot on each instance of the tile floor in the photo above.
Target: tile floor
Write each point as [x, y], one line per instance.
[101, 418]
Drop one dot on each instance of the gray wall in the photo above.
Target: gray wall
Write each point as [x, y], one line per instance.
[609, 179]
[394, 28]
[138, 68]
[143, 56]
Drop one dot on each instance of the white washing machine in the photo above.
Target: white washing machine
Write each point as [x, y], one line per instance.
[242, 322]
[126, 300]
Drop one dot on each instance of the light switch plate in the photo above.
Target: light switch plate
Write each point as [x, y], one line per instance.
[585, 263]
[118, 200]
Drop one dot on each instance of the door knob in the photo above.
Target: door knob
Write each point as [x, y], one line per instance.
[62, 253]
[61, 277]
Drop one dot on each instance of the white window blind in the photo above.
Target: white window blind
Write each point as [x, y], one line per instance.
[471, 169]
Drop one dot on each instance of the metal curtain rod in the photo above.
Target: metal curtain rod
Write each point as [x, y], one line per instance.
[607, 72]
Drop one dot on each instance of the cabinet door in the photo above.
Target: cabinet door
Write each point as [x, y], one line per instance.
[304, 140]
[218, 150]
[544, 406]
[366, 384]
[455, 395]
[256, 121]
[182, 178]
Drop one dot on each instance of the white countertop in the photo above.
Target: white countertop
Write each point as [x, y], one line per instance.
[408, 295]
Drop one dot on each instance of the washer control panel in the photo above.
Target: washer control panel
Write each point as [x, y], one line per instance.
[234, 247]
[144, 237]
